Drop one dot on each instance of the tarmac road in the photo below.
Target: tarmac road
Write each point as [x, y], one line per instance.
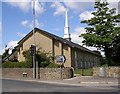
[31, 86]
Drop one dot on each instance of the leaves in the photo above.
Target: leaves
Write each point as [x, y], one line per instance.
[102, 31]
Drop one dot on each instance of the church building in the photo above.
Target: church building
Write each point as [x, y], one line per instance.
[76, 55]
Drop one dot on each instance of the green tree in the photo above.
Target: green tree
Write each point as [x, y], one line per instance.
[44, 58]
[102, 31]
[28, 58]
[116, 51]
[5, 54]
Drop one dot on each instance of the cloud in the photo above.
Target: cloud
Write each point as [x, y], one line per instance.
[39, 7]
[20, 34]
[29, 25]
[72, 5]
[24, 6]
[81, 6]
[114, 5]
[17, 1]
[59, 8]
[86, 15]
[27, 6]
[75, 37]
[78, 6]
[25, 23]
[12, 44]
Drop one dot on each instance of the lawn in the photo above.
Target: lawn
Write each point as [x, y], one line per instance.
[84, 72]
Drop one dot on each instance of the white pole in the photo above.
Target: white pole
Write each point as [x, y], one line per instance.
[34, 65]
[33, 22]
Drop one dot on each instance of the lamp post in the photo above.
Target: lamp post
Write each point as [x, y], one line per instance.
[34, 63]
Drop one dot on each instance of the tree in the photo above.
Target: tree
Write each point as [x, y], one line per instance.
[5, 54]
[102, 31]
[44, 58]
[116, 51]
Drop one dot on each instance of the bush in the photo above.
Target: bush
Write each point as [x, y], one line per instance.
[28, 65]
[44, 64]
[16, 65]
[28, 59]
[43, 58]
[53, 65]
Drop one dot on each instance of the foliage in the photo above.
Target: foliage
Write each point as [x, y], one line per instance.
[54, 65]
[28, 58]
[116, 52]
[27, 65]
[84, 72]
[5, 54]
[103, 33]
[15, 65]
[103, 61]
[43, 58]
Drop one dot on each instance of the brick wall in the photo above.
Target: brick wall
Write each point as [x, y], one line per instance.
[109, 71]
[44, 73]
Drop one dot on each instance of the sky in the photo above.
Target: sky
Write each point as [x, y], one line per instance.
[16, 19]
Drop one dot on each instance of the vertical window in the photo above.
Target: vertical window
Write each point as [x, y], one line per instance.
[22, 47]
[19, 51]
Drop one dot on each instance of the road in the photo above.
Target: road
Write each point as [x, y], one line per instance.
[31, 86]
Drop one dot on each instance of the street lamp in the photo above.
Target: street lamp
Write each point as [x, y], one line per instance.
[33, 56]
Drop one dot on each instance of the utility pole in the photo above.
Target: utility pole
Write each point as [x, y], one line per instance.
[34, 63]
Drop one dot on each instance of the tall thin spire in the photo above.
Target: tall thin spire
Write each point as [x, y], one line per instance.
[66, 28]
[66, 20]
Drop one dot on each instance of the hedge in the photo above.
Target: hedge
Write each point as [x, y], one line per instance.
[28, 65]
[16, 65]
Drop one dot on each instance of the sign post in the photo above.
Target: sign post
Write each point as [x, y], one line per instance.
[61, 70]
[60, 59]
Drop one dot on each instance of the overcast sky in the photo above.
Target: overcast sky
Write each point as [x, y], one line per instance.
[17, 19]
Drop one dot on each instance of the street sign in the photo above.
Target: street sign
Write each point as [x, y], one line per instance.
[60, 59]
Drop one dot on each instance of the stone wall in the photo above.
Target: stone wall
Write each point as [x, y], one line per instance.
[16, 72]
[44, 73]
[107, 72]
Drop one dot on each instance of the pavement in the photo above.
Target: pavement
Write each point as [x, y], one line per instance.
[80, 81]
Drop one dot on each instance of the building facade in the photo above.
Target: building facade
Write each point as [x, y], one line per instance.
[76, 55]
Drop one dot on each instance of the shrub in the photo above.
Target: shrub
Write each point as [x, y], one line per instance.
[15, 65]
[44, 64]
[43, 58]
[28, 58]
[53, 65]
